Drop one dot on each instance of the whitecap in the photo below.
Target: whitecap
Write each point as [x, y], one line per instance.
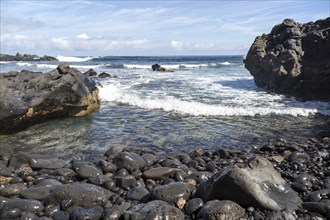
[24, 64]
[73, 59]
[115, 93]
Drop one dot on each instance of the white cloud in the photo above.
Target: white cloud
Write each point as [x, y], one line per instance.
[204, 46]
[83, 36]
[177, 45]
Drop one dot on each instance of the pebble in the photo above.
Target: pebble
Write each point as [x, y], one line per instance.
[221, 210]
[11, 190]
[156, 209]
[160, 173]
[172, 192]
[137, 193]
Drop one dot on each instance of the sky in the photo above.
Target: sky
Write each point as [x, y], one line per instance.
[139, 28]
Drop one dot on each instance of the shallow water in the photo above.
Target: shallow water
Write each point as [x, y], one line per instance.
[207, 102]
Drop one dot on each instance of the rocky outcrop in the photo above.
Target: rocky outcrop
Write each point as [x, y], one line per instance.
[159, 68]
[293, 59]
[28, 97]
[26, 57]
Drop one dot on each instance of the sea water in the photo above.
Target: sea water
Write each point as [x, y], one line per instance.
[203, 101]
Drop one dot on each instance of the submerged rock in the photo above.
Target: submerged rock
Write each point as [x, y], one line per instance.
[258, 185]
[29, 97]
[293, 59]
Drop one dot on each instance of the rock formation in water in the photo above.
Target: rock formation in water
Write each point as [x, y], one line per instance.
[32, 97]
[26, 57]
[293, 59]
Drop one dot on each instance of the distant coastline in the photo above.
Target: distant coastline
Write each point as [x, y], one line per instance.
[26, 57]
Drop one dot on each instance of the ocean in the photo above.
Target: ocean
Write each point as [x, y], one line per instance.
[208, 102]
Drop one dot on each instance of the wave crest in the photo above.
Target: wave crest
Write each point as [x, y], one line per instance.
[113, 93]
[73, 59]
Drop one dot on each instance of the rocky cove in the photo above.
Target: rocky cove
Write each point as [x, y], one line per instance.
[280, 179]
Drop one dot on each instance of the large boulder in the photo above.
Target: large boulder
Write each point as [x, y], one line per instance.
[258, 185]
[293, 59]
[28, 98]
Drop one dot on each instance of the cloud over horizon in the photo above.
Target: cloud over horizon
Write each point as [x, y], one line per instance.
[84, 27]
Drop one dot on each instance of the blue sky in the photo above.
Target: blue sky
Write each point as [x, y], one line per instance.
[86, 27]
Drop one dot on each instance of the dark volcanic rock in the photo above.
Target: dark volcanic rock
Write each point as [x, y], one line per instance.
[258, 185]
[31, 97]
[90, 72]
[104, 75]
[82, 194]
[156, 209]
[221, 210]
[172, 192]
[129, 161]
[26, 57]
[157, 67]
[293, 59]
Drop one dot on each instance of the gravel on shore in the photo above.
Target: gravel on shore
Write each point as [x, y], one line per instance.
[134, 183]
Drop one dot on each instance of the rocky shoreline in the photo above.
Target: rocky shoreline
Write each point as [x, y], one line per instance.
[279, 180]
[26, 57]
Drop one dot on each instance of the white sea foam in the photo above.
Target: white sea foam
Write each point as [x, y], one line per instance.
[115, 93]
[73, 59]
[5, 62]
[24, 64]
[46, 66]
[86, 66]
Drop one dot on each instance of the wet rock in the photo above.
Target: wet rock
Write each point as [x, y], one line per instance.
[80, 213]
[61, 215]
[193, 205]
[172, 192]
[221, 210]
[104, 75]
[200, 177]
[322, 208]
[98, 179]
[24, 205]
[150, 159]
[107, 167]
[85, 171]
[137, 193]
[160, 173]
[115, 212]
[10, 214]
[258, 185]
[281, 215]
[129, 161]
[50, 163]
[318, 195]
[83, 194]
[154, 210]
[41, 190]
[11, 190]
[125, 182]
[90, 72]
